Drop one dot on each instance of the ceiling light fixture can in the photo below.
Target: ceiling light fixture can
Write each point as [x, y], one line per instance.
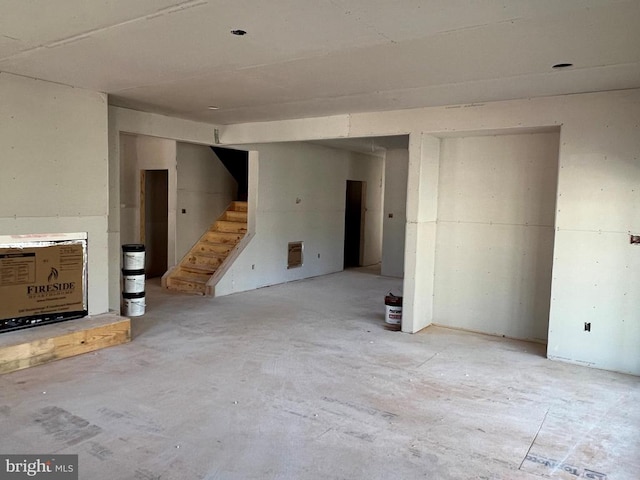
[562, 65]
[239, 32]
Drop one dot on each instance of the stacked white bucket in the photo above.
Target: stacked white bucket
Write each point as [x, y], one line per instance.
[133, 295]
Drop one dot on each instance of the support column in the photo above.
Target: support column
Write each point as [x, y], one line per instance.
[420, 242]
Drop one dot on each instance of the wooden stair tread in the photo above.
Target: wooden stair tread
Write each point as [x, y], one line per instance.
[198, 268]
[238, 206]
[209, 243]
[230, 227]
[225, 234]
[233, 216]
[198, 253]
[211, 247]
[233, 222]
[182, 276]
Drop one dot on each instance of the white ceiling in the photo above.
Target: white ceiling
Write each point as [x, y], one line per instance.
[305, 58]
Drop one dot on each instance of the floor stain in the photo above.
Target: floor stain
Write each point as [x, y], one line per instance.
[143, 474]
[64, 426]
[99, 451]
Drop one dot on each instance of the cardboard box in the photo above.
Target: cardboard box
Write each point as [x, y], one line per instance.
[42, 282]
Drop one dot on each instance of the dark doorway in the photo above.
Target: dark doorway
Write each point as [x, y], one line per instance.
[154, 224]
[237, 163]
[354, 223]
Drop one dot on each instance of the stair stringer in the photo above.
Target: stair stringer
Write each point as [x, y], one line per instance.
[226, 264]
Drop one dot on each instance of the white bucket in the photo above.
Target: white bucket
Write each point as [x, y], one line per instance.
[133, 304]
[393, 312]
[132, 281]
[133, 256]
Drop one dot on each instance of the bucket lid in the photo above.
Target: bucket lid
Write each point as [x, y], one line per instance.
[133, 247]
[393, 300]
[133, 272]
[129, 296]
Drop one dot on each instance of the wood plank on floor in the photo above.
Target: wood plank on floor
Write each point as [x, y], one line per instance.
[38, 345]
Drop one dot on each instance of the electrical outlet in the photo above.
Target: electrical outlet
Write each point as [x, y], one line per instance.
[253, 266]
[634, 239]
[587, 326]
[318, 255]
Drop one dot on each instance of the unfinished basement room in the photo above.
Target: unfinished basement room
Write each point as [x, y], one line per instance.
[330, 239]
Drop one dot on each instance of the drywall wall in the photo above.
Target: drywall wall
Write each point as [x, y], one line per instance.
[595, 269]
[419, 261]
[301, 197]
[205, 189]
[141, 152]
[494, 250]
[53, 146]
[396, 169]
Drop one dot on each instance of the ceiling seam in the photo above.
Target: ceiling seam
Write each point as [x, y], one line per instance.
[176, 8]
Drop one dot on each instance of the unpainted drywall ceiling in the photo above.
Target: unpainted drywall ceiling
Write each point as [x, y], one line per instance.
[307, 58]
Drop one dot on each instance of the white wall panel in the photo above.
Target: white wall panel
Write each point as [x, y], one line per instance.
[54, 177]
[53, 149]
[596, 280]
[420, 241]
[501, 179]
[205, 189]
[395, 203]
[494, 250]
[494, 278]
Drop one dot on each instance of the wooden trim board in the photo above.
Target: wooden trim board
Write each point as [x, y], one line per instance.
[39, 345]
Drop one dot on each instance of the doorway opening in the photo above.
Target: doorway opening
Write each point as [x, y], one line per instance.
[154, 224]
[354, 223]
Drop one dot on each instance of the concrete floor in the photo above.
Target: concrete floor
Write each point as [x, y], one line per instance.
[301, 381]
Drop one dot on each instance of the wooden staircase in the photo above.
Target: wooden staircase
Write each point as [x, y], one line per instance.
[215, 246]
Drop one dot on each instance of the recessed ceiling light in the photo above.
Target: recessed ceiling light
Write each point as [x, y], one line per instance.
[239, 32]
[562, 65]
[213, 107]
